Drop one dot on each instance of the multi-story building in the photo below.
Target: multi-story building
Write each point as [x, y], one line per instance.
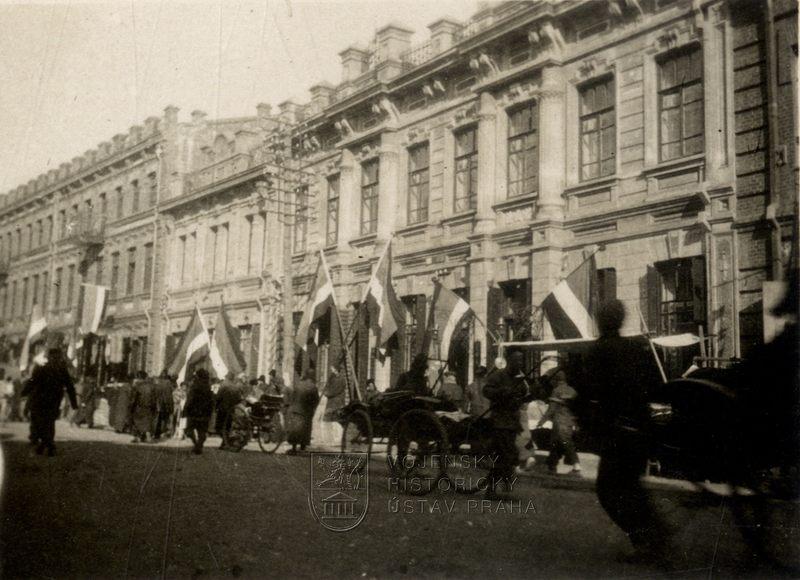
[658, 135]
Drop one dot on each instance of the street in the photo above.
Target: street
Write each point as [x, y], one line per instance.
[105, 507]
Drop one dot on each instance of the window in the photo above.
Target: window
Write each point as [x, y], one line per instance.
[135, 196]
[3, 300]
[37, 234]
[153, 182]
[369, 196]
[59, 287]
[131, 279]
[523, 151]
[62, 224]
[29, 237]
[680, 104]
[25, 294]
[98, 273]
[114, 274]
[332, 225]
[301, 221]
[182, 260]
[120, 202]
[35, 297]
[48, 232]
[70, 284]
[606, 284]
[466, 162]
[45, 291]
[598, 130]
[251, 231]
[89, 209]
[13, 300]
[103, 206]
[418, 164]
[148, 266]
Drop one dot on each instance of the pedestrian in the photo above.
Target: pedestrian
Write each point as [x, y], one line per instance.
[228, 396]
[178, 403]
[87, 400]
[44, 390]
[16, 401]
[276, 385]
[165, 406]
[144, 408]
[370, 390]
[451, 392]
[476, 402]
[560, 412]
[415, 378]
[198, 409]
[261, 386]
[302, 402]
[6, 397]
[619, 382]
[506, 390]
[335, 390]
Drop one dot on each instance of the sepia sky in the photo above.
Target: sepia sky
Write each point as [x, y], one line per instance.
[73, 74]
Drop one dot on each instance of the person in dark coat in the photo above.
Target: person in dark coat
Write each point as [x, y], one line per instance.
[303, 399]
[506, 390]
[414, 379]
[228, 396]
[44, 390]
[619, 379]
[198, 409]
[335, 392]
[164, 405]
[560, 413]
[144, 408]
[88, 403]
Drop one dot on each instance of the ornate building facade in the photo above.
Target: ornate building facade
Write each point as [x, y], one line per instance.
[496, 156]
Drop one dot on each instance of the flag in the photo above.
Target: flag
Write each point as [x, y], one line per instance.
[320, 299]
[385, 309]
[448, 312]
[192, 349]
[570, 307]
[36, 330]
[225, 354]
[93, 307]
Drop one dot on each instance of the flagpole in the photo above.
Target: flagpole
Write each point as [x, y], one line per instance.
[349, 360]
[652, 346]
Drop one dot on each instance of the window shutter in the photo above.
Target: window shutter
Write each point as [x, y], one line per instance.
[653, 299]
[699, 290]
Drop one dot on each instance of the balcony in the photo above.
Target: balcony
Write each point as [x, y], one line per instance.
[85, 230]
[219, 171]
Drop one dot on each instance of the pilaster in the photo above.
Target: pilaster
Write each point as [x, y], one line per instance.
[552, 150]
[487, 160]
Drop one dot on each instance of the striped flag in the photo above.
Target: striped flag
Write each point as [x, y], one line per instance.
[193, 348]
[570, 307]
[225, 353]
[385, 309]
[93, 307]
[448, 312]
[36, 330]
[320, 300]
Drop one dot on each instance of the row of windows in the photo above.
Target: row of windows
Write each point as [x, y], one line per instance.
[680, 102]
[39, 233]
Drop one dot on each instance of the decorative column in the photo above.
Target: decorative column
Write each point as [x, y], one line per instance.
[487, 159]
[348, 200]
[552, 150]
[387, 188]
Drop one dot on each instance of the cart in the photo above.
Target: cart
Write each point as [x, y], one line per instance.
[262, 420]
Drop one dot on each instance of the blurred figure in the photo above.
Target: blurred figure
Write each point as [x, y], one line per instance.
[335, 394]
[302, 401]
[619, 380]
[165, 406]
[228, 396]
[199, 405]
[415, 378]
[6, 398]
[276, 385]
[370, 390]
[87, 400]
[451, 391]
[144, 408]
[178, 403]
[45, 390]
[477, 404]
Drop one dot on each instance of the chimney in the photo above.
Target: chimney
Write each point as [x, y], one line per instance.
[289, 110]
[443, 33]
[354, 62]
[263, 111]
[198, 117]
[391, 41]
[171, 115]
[321, 96]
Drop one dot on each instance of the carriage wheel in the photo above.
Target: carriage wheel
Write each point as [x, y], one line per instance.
[357, 433]
[241, 431]
[417, 451]
[271, 434]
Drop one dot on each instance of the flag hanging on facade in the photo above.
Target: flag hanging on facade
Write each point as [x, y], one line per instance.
[194, 346]
[448, 312]
[93, 307]
[384, 307]
[320, 300]
[36, 330]
[570, 307]
[225, 353]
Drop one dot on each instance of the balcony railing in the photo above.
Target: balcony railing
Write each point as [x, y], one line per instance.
[417, 55]
[218, 171]
[85, 229]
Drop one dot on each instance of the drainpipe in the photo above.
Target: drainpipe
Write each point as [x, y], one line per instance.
[772, 92]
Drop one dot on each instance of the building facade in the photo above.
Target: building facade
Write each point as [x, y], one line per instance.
[658, 135]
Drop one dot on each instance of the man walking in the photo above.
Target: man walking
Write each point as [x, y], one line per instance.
[198, 409]
[506, 390]
[228, 396]
[45, 390]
